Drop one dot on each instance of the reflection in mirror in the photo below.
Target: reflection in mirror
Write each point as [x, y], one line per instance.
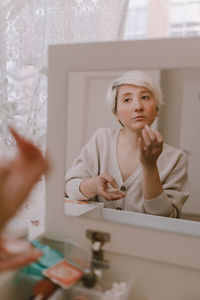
[88, 111]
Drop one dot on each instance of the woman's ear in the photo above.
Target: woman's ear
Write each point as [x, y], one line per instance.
[157, 111]
[116, 116]
[117, 119]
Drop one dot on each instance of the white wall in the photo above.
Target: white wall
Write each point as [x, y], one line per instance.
[179, 123]
[172, 82]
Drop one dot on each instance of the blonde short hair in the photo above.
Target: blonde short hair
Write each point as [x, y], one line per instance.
[136, 78]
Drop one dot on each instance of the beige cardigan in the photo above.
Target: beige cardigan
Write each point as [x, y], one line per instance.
[98, 156]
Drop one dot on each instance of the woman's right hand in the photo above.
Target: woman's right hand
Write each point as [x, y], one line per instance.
[102, 187]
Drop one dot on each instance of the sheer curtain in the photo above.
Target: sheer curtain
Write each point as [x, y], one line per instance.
[27, 27]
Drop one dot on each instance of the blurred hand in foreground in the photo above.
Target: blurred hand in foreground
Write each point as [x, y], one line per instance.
[17, 179]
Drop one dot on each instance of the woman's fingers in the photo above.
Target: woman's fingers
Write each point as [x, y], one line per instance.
[108, 193]
[29, 152]
[110, 179]
[4, 172]
[112, 195]
[19, 260]
[158, 137]
[151, 134]
[150, 144]
[22, 172]
[16, 253]
[150, 138]
[141, 143]
[146, 139]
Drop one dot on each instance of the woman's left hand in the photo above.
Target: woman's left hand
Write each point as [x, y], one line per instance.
[151, 145]
[18, 177]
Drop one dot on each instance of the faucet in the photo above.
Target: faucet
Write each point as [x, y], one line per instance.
[94, 273]
[98, 239]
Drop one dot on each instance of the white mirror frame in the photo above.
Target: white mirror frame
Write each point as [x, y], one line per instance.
[150, 237]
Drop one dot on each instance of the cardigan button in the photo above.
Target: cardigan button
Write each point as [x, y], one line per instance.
[122, 188]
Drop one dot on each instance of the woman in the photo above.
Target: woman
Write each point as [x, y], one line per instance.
[131, 168]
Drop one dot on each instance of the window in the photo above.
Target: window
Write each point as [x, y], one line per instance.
[162, 18]
[136, 20]
[184, 18]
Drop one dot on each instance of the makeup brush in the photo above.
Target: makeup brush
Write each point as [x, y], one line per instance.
[43, 289]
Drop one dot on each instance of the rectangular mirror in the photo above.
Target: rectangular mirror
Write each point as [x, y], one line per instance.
[87, 105]
[169, 59]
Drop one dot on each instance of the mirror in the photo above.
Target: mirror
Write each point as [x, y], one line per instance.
[164, 56]
[87, 105]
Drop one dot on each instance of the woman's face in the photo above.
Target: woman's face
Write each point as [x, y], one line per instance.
[136, 107]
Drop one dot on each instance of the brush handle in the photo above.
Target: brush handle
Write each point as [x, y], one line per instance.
[39, 297]
[43, 289]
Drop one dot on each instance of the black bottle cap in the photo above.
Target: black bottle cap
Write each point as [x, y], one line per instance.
[89, 278]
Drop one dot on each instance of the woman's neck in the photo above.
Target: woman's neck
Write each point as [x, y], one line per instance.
[130, 138]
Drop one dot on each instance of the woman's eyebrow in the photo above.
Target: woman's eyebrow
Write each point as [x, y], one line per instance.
[126, 94]
[145, 91]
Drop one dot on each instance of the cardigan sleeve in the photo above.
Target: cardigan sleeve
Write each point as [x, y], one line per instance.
[85, 166]
[175, 191]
